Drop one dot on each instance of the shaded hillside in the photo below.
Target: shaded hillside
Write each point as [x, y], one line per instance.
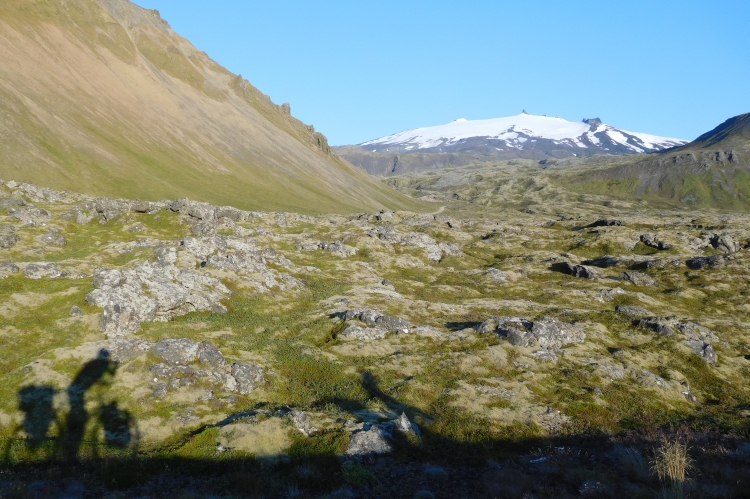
[713, 170]
[102, 96]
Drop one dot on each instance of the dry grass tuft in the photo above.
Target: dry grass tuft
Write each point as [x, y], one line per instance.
[671, 463]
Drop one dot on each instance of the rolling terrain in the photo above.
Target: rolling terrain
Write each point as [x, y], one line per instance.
[713, 170]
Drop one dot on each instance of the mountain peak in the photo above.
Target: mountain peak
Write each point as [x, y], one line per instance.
[525, 132]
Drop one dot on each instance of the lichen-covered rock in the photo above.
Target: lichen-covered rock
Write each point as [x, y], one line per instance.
[705, 262]
[248, 377]
[404, 425]
[176, 351]
[54, 238]
[657, 325]
[44, 269]
[363, 333]
[8, 241]
[374, 318]
[303, 422]
[547, 333]
[125, 349]
[632, 311]
[152, 292]
[653, 241]
[639, 279]
[370, 441]
[700, 340]
[725, 243]
[583, 271]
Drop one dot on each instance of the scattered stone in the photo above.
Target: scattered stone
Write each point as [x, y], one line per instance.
[248, 377]
[125, 349]
[374, 318]
[700, 340]
[12, 201]
[303, 422]
[603, 222]
[160, 390]
[53, 238]
[451, 249]
[44, 269]
[611, 293]
[7, 268]
[632, 311]
[547, 333]
[8, 241]
[653, 241]
[370, 441]
[576, 270]
[604, 262]
[725, 243]
[639, 279]
[404, 425]
[176, 351]
[705, 262]
[171, 292]
[656, 325]
[75, 311]
[497, 276]
[363, 333]
[647, 378]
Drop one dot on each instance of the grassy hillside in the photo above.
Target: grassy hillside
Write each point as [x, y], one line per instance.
[712, 171]
[102, 96]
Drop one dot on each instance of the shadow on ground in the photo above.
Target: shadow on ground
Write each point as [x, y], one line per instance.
[90, 449]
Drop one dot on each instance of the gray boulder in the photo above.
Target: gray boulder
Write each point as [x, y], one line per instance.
[11, 202]
[54, 238]
[632, 311]
[639, 279]
[125, 349]
[404, 425]
[725, 243]
[363, 333]
[44, 269]
[653, 241]
[210, 356]
[705, 262]
[7, 267]
[547, 333]
[700, 340]
[655, 324]
[8, 241]
[370, 441]
[583, 271]
[248, 377]
[152, 292]
[181, 351]
[374, 318]
[75, 311]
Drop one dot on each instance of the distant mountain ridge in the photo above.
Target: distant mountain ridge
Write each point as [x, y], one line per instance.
[713, 170]
[522, 136]
[103, 97]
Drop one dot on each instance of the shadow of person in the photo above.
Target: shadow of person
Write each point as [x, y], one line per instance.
[36, 403]
[91, 373]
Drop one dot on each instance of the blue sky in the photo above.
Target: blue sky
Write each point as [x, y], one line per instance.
[361, 70]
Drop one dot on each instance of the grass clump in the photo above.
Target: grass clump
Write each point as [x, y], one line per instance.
[671, 463]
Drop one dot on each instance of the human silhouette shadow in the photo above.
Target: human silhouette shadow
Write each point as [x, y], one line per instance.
[37, 404]
[91, 373]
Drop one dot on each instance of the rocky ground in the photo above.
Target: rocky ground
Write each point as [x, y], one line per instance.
[503, 347]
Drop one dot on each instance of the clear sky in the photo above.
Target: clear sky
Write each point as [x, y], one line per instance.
[361, 70]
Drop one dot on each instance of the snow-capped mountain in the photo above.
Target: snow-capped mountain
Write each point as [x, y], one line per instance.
[525, 132]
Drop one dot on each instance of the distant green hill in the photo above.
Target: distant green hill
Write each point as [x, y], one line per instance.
[101, 96]
[711, 171]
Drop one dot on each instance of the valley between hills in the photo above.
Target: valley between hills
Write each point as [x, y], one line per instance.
[200, 298]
